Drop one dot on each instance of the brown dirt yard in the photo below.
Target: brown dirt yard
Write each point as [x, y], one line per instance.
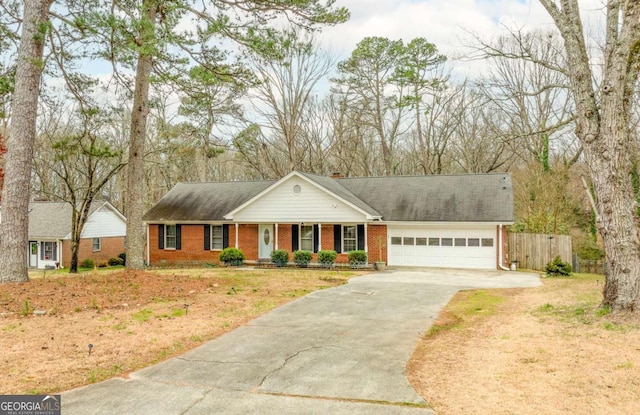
[131, 320]
[547, 350]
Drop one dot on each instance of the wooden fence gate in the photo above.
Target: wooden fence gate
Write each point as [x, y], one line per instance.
[534, 251]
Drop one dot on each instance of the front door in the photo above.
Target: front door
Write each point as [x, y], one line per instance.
[33, 254]
[265, 241]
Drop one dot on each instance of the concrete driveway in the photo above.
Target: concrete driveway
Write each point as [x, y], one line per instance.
[337, 351]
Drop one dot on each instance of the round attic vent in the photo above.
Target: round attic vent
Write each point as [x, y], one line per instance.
[297, 189]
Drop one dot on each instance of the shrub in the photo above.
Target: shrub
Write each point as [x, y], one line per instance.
[102, 264]
[280, 257]
[327, 258]
[87, 263]
[558, 268]
[231, 256]
[302, 258]
[123, 257]
[357, 257]
[115, 262]
[591, 252]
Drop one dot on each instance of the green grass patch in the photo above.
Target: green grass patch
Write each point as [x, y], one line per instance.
[142, 315]
[465, 308]
[178, 312]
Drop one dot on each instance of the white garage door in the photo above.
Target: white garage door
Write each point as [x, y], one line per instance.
[442, 247]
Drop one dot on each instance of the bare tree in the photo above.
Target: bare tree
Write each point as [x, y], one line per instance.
[284, 96]
[531, 95]
[74, 154]
[603, 127]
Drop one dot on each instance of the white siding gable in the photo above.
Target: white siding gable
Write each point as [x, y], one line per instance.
[310, 204]
[104, 223]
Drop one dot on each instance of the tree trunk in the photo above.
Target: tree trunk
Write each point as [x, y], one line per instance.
[135, 168]
[603, 129]
[20, 141]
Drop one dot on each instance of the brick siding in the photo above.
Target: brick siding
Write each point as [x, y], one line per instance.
[192, 241]
[109, 248]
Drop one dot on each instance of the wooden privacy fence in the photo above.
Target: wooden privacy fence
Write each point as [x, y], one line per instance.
[534, 251]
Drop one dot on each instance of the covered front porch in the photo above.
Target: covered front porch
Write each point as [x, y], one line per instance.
[44, 254]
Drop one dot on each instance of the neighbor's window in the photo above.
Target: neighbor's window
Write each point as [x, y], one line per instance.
[216, 236]
[96, 244]
[349, 238]
[49, 251]
[306, 238]
[170, 237]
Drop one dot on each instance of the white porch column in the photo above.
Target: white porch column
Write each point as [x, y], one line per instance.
[319, 237]
[366, 245]
[237, 227]
[276, 236]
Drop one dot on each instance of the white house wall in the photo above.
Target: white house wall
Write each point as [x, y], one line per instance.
[311, 204]
[104, 223]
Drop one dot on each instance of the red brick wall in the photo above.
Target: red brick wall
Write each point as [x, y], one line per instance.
[284, 239]
[327, 238]
[110, 248]
[192, 237]
[377, 243]
[247, 240]
[192, 245]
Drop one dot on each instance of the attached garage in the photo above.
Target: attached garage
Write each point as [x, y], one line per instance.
[446, 247]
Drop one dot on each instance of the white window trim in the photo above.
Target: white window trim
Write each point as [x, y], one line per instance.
[211, 248]
[300, 236]
[166, 235]
[93, 244]
[344, 251]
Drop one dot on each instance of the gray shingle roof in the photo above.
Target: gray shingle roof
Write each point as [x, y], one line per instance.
[433, 198]
[204, 201]
[52, 220]
[437, 198]
[49, 220]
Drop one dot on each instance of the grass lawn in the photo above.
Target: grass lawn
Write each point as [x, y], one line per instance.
[546, 350]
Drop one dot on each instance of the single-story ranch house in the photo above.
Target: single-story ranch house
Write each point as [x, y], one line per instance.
[50, 234]
[435, 221]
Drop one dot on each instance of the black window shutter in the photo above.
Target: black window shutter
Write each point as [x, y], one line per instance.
[178, 236]
[225, 236]
[337, 238]
[160, 236]
[294, 237]
[361, 237]
[316, 238]
[207, 237]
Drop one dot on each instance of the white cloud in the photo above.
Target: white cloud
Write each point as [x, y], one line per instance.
[446, 23]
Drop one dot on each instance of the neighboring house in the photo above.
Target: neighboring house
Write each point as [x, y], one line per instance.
[436, 221]
[50, 234]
